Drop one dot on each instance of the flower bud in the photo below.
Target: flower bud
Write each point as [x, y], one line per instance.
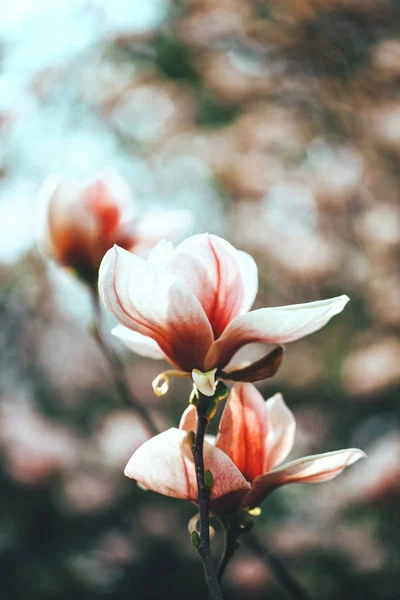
[76, 226]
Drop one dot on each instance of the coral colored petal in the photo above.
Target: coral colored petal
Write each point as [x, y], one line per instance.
[151, 301]
[243, 429]
[227, 478]
[311, 469]
[107, 189]
[212, 269]
[273, 326]
[282, 431]
[138, 343]
[188, 420]
[165, 465]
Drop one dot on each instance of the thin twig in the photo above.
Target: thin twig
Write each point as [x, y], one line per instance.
[204, 548]
[229, 549]
[282, 575]
[117, 368]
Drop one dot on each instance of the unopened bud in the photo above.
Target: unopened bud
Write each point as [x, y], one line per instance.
[221, 391]
[195, 539]
[191, 436]
[208, 479]
[194, 396]
[193, 524]
[255, 512]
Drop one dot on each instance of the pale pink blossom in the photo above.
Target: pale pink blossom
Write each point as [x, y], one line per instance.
[190, 305]
[254, 438]
[76, 225]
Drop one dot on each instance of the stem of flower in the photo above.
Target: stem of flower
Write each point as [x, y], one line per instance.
[231, 544]
[117, 368]
[282, 575]
[204, 548]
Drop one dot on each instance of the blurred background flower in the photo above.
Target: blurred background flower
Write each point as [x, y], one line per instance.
[277, 123]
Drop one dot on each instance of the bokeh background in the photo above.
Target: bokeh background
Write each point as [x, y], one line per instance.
[277, 122]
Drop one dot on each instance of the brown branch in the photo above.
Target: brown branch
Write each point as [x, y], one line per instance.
[204, 547]
[117, 368]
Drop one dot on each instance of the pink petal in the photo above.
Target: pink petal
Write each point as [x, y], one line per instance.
[151, 301]
[72, 226]
[311, 469]
[243, 429]
[212, 269]
[273, 326]
[188, 420]
[107, 187]
[249, 272]
[282, 431]
[138, 343]
[165, 465]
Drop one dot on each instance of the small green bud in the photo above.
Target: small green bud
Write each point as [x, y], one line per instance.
[191, 436]
[194, 396]
[221, 391]
[195, 539]
[208, 479]
[255, 512]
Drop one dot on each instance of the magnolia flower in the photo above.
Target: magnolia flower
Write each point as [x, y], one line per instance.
[254, 437]
[77, 225]
[189, 305]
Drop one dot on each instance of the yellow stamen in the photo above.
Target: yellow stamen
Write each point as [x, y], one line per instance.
[255, 512]
[161, 383]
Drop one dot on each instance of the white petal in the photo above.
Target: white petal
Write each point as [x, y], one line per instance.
[138, 343]
[282, 431]
[211, 269]
[249, 271]
[148, 299]
[161, 253]
[205, 382]
[273, 326]
[311, 469]
[165, 465]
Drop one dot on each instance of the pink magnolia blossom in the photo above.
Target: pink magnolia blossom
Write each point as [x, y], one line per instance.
[190, 305]
[254, 438]
[77, 225]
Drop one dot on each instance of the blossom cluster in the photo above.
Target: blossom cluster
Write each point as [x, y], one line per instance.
[191, 306]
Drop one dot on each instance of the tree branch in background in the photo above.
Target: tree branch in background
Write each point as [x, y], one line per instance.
[117, 368]
[282, 575]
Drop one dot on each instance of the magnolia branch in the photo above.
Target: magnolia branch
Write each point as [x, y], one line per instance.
[203, 547]
[117, 368]
[282, 575]
[231, 534]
